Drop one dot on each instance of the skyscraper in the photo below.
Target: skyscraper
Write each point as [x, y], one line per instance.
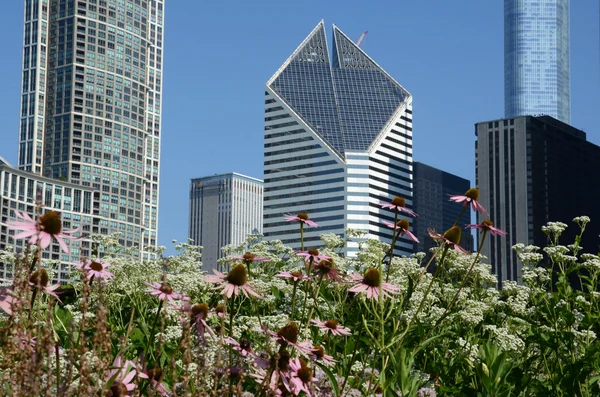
[531, 171]
[338, 141]
[536, 58]
[224, 209]
[91, 105]
[432, 189]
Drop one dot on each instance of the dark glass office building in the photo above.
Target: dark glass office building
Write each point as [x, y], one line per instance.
[531, 171]
[432, 189]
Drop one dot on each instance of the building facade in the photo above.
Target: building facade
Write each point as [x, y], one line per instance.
[432, 189]
[531, 171]
[536, 58]
[20, 190]
[224, 209]
[338, 141]
[91, 106]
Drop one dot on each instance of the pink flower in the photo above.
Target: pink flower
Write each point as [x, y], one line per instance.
[155, 376]
[402, 225]
[39, 279]
[232, 283]
[162, 291]
[95, 269]
[243, 346]
[300, 377]
[6, 300]
[249, 257]
[312, 255]
[471, 196]
[451, 237]
[288, 335]
[302, 218]
[331, 326]
[371, 283]
[121, 379]
[198, 314]
[325, 268]
[318, 354]
[295, 276]
[47, 226]
[399, 204]
[488, 226]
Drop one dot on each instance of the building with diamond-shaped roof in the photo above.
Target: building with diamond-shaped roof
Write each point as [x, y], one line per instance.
[338, 142]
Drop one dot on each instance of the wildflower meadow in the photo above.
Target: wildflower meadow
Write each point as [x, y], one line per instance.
[280, 322]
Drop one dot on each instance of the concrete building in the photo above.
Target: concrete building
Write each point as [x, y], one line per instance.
[91, 106]
[432, 189]
[224, 209]
[536, 58]
[532, 170]
[338, 141]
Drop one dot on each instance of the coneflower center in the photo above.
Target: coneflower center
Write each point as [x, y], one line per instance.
[166, 288]
[305, 374]
[220, 309]
[319, 351]
[372, 277]
[237, 275]
[325, 266]
[487, 223]
[473, 193]
[118, 390]
[155, 374]
[284, 359]
[399, 201]
[289, 332]
[313, 252]
[303, 216]
[332, 324]
[296, 274]
[39, 277]
[200, 309]
[245, 344]
[453, 234]
[96, 266]
[248, 257]
[50, 223]
[403, 224]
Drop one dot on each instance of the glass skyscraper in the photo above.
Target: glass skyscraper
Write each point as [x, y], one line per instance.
[536, 58]
[338, 141]
[91, 106]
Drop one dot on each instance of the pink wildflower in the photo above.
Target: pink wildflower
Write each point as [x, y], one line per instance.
[371, 283]
[121, 377]
[301, 377]
[288, 335]
[232, 283]
[302, 218]
[295, 276]
[6, 300]
[325, 268]
[398, 203]
[162, 291]
[95, 269]
[312, 255]
[402, 225]
[331, 326]
[249, 257]
[488, 226]
[318, 354]
[471, 196]
[39, 279]
[243, 346]
[451, 237]
[47, 227]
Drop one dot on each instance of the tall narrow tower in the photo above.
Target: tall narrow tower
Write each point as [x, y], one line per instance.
[91, 105]
[536, 58]
[338, 141]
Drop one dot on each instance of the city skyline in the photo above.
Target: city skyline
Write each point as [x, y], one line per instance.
[472, 80]
[537, 58]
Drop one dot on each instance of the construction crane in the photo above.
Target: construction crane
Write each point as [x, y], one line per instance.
[361, 38]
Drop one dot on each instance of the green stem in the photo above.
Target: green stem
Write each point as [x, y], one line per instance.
[293, 300]
[160, 304]
[349, 368]
[395, 234]
[302, 236]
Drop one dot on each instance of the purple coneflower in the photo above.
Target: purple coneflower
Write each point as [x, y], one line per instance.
[318, 354]
[243, 346]
[398, 203]
[288, 335]
[234, 282]
[40, 279]
[302, 218]
[295, 276]
[6, 300]
[48, 226]
[95, 269]
[402, 225]
[249, 257]
[325, 268]
[371, 283]
[300, 377]
[155, 376]
[162, 291]
[121, 377]
[451, 237]
[471, 196]
[331, 326]
[488, 226]
[198, 315]
[313, 255]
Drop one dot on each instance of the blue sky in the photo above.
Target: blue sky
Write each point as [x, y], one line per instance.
[219, 55]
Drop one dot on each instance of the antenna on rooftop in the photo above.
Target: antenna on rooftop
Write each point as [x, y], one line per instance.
[361, 38]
